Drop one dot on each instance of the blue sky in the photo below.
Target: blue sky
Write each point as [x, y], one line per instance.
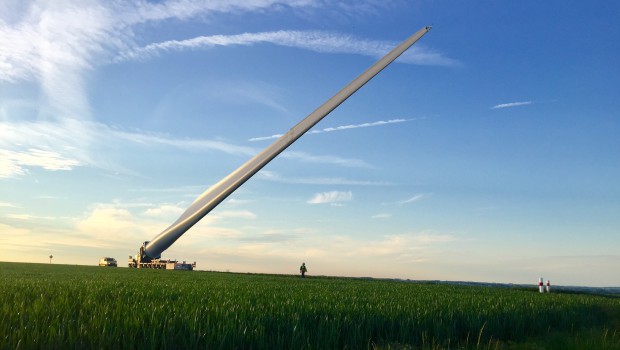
[488, 152]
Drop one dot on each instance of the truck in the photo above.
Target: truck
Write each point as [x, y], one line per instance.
[149, 255]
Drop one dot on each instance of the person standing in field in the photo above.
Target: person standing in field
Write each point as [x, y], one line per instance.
[303, 270]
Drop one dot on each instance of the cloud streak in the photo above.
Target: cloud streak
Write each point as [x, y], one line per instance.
[381, 216]
[338, 128]
[272, 176]
[65, 146]
[318, 41]
[14, 163]
[416, 198]
[332, 197]
[334, 160]
[512, 104]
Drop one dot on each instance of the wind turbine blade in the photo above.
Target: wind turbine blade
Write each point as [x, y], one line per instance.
[217, 193]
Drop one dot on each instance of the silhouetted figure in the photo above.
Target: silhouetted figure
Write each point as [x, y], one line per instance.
[303, 270]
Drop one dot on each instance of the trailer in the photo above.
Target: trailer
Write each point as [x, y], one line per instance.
[149, 255]
[157, 263]
[161, 264]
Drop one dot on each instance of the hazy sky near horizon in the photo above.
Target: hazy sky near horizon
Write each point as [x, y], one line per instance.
[490, 151]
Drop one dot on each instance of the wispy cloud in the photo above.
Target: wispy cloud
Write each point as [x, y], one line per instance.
[66, 145]
[381, 216]
[236, 214]
[275, 177]
[317, 41]
[147, 138]
[8, 205]
[28, 217]
[339, 128]
[110, 222]
[332, 197]
[245, 92]
[271, 237]
[182, 9]
[512, 104]
[416, 198]
[42, 40]
[325, 159]
[14, 163]
[57, 44]
[164, 210]
[408, 245]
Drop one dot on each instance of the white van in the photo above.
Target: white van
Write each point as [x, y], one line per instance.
[109, 262]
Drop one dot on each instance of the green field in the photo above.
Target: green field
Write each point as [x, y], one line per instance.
[65, 307]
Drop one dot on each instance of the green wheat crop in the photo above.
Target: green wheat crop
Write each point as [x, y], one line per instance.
[66, 307]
